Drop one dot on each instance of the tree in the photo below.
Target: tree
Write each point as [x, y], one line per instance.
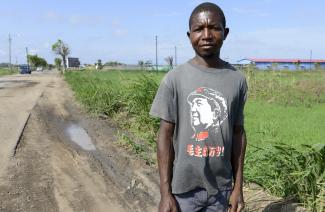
[58, 63]
[62, 49]
[148, 63]
[169, 60]
[36, 61]
[113, 63]
[141, 64]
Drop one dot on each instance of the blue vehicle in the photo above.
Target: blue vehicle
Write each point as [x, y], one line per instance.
[24, 69]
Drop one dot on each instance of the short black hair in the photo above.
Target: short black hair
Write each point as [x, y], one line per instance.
[207, 6]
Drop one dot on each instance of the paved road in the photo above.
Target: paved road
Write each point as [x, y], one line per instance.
[18, 95]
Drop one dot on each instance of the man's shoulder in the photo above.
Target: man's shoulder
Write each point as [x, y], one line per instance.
[173, 75]
[235, 72]
[179, 69]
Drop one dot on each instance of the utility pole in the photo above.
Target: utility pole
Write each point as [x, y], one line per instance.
[175, 56]
[17, 63]
[10, 52]
[27, 58]
[156, 53]
[310, 58]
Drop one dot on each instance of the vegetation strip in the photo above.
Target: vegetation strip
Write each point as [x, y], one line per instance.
[285, 122]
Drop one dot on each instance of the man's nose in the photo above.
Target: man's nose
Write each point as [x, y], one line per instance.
[206, 33]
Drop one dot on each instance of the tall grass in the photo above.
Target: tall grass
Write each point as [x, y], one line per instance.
[287, 88]
[286, 150]
[291, 172]
[126, 98]
[285, 117]
[6, 71]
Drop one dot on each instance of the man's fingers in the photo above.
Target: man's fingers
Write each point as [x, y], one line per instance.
[241, 206]
[232, 208]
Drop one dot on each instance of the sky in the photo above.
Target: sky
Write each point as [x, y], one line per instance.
[125, 30]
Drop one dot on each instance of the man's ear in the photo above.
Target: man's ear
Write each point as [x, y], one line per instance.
[188, 34]
[225, 33]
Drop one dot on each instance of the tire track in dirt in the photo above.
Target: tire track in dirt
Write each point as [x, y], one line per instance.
[50, 173]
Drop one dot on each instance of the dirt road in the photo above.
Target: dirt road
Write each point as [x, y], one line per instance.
[49, 172]
[56, 157]
[18, 95]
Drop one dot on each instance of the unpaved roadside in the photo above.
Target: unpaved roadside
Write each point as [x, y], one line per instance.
[50, 172]
[18, 95]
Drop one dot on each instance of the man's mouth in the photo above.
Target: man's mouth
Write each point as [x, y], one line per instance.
[207, 45]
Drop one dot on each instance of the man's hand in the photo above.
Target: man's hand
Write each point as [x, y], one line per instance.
[165, 155]
[236, 201]
[237, 161]
[168, 203]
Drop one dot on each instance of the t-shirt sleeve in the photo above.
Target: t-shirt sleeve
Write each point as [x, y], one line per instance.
[163, 105]
[241, 103]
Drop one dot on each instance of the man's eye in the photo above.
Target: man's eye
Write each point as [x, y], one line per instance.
[198, 29]
[216, 28]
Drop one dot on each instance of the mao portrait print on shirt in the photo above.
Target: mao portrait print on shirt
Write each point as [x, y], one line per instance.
[208, 110]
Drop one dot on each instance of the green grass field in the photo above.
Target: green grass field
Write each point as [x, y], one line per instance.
[269, 123]
[285, 124]
[6, 71]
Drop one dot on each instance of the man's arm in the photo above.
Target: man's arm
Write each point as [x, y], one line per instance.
[237, 161]
[165, 155]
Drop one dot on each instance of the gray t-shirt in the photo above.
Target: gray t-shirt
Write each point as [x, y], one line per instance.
[205, 104]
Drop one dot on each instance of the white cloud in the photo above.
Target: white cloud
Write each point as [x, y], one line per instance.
[287, 42]
[73, 19]
[79, 19]
[46, 45]
[3, 53]
[33, 51]
[51, 15]
[117, 29]
[115, 23]
[250, 11]
[120, 32]
[195, 2]
[167, 14]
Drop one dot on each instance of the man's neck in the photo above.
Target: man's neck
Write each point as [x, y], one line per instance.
[213, 62]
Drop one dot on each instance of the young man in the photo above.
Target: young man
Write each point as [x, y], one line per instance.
[201, 144]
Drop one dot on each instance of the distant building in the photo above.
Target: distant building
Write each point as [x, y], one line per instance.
[73, 62]
[284, 64]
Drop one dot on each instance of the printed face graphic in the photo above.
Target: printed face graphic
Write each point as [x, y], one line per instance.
[208, 109]
[202, 113]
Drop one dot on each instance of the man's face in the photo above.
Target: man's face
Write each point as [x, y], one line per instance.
[207, 34]
[201, 113]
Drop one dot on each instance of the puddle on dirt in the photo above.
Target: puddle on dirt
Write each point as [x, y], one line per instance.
[79, 136]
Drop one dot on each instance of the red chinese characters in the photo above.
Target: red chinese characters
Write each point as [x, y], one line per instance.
[198, 151]
[190, 149]
[205, 151]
